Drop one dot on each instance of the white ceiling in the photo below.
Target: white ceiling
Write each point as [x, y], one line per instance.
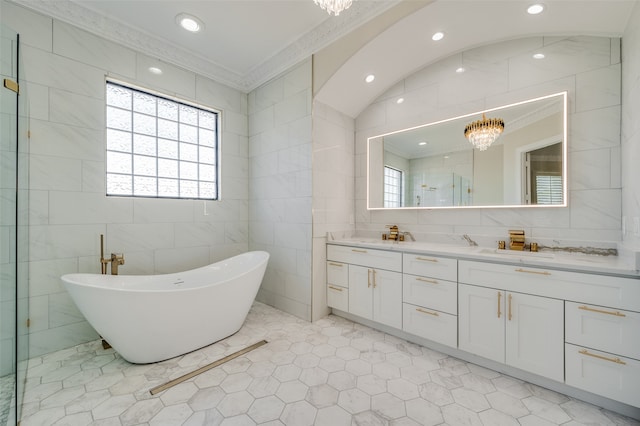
[244, 43]
[407, 46]
[247, 42]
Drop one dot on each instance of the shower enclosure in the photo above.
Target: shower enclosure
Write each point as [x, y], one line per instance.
[13, 230]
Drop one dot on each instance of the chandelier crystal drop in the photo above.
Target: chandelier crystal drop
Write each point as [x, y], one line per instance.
[482, 133]
[334, 6]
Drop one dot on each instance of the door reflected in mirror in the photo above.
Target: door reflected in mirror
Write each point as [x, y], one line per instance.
[435, 166]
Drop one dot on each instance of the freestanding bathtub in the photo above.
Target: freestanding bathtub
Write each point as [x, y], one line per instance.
[150, 318]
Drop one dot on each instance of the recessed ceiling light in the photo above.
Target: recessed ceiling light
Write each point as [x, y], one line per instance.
[370, 78]
[534, 9]
[460, 70]
[437, 36]
[446, 156]
[422, 143]
[400, 100]
[189, 22]
[538, 56]
[155, 70]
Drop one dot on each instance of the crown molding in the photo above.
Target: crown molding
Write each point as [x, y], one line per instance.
[108, 28]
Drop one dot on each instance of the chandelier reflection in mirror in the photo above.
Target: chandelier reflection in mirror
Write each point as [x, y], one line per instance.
[334, 6]
[482, 133]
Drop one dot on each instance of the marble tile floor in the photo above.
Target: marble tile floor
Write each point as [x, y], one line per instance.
[330, 372]
[7, 390]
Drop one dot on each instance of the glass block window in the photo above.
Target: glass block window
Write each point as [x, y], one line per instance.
[159, 147]
[392, 187]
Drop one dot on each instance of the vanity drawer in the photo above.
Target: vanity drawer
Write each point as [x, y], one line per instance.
[601, 290]
[430, 293]
[611, 330]
[430, 324]
[381, 259]
[338, 273]
[338, 297]
[604, 374]
[430, 266]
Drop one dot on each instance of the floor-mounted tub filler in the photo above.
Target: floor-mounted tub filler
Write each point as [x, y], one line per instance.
[150, 318]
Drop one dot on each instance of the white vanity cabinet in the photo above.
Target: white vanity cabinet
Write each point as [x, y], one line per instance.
[519, 329]
[430, 297]
[376, 294]
[603, 350]
[374, 284]
[577, 330]
[338, 285]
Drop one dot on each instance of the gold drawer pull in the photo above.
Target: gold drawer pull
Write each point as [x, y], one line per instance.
[358, 251]
[533, 272]
[336, 264]
[425, 280]
[435, 314]
[616, 360]
[426, 259]
[335, 288]
[601, 311]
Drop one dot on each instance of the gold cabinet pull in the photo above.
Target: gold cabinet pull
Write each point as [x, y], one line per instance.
[616, 360]
[499, 299]
[427, 259]
[336, 264]
[602, 311]
[509, 314]
[335, 288]
[358, 251]
[435, 314]
[374, 279]
[368, 278]
[425, 280]
[533, 272]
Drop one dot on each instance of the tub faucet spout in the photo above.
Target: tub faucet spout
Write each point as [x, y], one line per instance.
[116, 260]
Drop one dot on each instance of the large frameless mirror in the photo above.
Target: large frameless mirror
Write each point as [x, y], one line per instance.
[510, 156]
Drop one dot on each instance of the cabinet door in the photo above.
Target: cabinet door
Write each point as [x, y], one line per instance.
[361, 291]
[481, 321]
[535, 334]
[387, 297]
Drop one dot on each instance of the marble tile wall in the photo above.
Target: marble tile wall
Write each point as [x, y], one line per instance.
[280, 191]
[589, 68]
[65, 70]
[631, 131]
[333, 190]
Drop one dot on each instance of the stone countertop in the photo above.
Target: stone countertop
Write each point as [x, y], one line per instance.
[547, 259]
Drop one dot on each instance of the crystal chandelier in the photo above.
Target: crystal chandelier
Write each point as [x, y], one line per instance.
[482, 133]
[334, 6]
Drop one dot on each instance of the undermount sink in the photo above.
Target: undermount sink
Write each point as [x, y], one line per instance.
[517, 253]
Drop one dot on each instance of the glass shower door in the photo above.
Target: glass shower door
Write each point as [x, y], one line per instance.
[13, 232]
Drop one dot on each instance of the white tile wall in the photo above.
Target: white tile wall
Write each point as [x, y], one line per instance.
[333, 190]
[280, 187]
[630, 148]
[65, 70]
[587, 67]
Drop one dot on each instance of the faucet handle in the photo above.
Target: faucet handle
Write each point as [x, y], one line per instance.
[393, 232]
